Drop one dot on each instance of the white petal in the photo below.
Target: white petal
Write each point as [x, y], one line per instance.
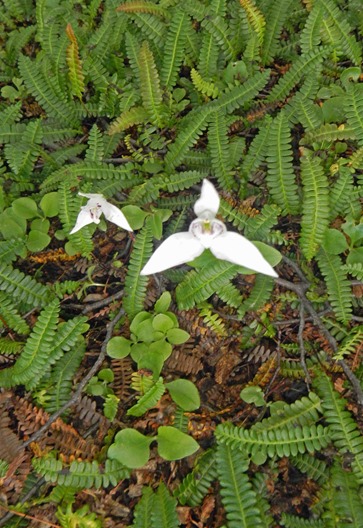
[208, 204]
[113, 214]
[84, 218]
[175, 250]
[237, 249]
[92, 195]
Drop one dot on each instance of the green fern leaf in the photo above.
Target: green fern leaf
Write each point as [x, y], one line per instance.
[95, 151]
[29, 368]
[276, 14]
[208, 57]
[315, 217]
[219, 150]
[199, 285]
[204, 87]
[191, 127]
[280, 176]
[341, 193]
[174, 48]
[259, 227]
[148, 400]
[129, 118]
[255, 18]
[230, 294]
[260, 294]
[302, 66]
[9, 249]
[291, 521]
[241, 94]
[238, 497]
[310, 36]
[143, 509]
[152, 27]
[150, 85]
[343, 38]
[163, 514]
[257, 150]
[10, 347]
[343, 428]
[283, 441]
[354, 110]
[23, 288]
[183, 180]
[347, 503]
[195, 485]
[11, 317]
[339, 289]
[212, 320]
[136, 284]
[354, 269]
[315, 469]
[46, 97]
[217, 27]
[328, 133]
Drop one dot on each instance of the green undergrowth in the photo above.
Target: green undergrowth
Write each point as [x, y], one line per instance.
[141, 101]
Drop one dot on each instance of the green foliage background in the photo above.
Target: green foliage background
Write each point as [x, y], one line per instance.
[140, 101]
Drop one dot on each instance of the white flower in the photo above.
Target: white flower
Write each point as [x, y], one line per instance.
[93, 209]
[206, 232]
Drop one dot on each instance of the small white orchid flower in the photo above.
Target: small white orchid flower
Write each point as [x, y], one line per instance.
[93, 209]
[206, 232]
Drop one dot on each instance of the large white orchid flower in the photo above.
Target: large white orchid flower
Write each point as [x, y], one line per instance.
[206, 232]
[93, 209]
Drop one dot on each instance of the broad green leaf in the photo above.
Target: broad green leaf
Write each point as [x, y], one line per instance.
[174, 445]
[184, 393]
[130, 448]
[118, 347]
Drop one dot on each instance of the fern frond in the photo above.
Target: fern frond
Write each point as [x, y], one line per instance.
[204, 87]
[241, 94]
[29, 368]
[341, 193]
[87, 171]
[310, 36]
[183, 180]
[315, 469]
[356, 159]
[255, 18]
[344, 431]
[191, 127]
[212, 320]
[136, 284]
[127, 119]
[259, 227]
[217, 27]
[60, 382]
[153, 28]
[343, 37]
[174, 48]
[302, 412]
[238, 496]
[43, 93]
[230, 294]
[195, 485]
[23, 288]
[76, 76]
[354, 269]
[208, 57]
[276, 14]
[301, 67]
[11, 317]
[143, 509]
[148, 400]
[291, 521]
[283, 441]
[339, 289]
[95, 151]
[9, 249]
[199, 285]
[351, 344]
[150, 85]
[280, 175]
[354, 110]
[347, 502]
[315, 208]
[218, 146]
[163, 514]
[10, 347]
[260, 294]
[257, 149]
[139, 6]
[329, 133]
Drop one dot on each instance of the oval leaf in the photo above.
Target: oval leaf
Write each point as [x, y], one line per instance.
[184, 393]
[173, 444]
